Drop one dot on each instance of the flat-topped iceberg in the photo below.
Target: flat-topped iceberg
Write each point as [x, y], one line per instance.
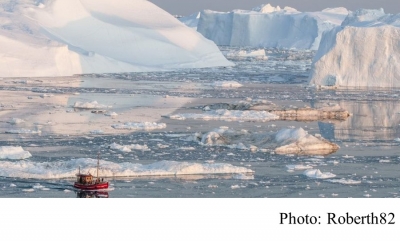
[363, 52]
[67, 37]
[268, 26]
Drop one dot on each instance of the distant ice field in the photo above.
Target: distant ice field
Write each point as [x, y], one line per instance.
[61, 135]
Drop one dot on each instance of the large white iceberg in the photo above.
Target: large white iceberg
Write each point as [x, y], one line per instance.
[363, 52]
[66, 37]
[268, 26]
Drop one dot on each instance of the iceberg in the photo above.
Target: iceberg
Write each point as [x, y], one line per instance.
[67, 37]
[268, 26]
[363, 52]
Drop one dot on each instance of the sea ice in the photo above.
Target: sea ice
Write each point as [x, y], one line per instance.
[227, 115]
[90, 105]
[129, 148]
[13, 152]
[67, 169]
[140, 126]
[285, 141]
[316, 173]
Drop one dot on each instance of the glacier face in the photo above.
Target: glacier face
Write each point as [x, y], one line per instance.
[363, 52]
[67, 37]
[270, 27]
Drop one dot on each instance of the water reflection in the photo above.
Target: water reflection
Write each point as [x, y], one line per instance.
[91, 194]
[370, 120]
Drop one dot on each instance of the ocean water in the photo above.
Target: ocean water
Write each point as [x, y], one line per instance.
[366, 165]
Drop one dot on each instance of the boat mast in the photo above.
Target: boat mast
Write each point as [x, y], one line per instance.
[98, 157]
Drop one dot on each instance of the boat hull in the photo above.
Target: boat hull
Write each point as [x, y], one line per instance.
[102, 185]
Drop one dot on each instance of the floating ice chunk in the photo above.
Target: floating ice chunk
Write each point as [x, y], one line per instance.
[300, 142]
[316, 173]
[384, 161]
[98, 132]
[129, 148]
[298, 167]
[23, 131]
[13, 152]
[242, 176]
[344, 181]
[67, 169]
[286, 141]
[28, 190]
[90, 105]
[112, 114]
[140, 126]
[15, 121]
[397, 139]
[259, 54]
[226, 84]
[228, 115]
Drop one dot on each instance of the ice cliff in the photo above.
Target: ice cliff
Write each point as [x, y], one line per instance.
[67, 37]
[268, 26]
[363, 52]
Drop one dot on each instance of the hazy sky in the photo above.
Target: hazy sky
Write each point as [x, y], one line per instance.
[186, 7]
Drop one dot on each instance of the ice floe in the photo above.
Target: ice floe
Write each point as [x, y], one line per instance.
[258, 54]
[227, 115]
[129, 148]
[316, 173]
[13, 152]
[68, 169]
[344, 181]
[331, 111]
[23, 131]
[15, 121]
[140, 126]
[298, 167]
[285, 141]
[90, 105]
[226, 84]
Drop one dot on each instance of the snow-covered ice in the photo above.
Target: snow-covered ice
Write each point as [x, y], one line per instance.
[68, 169]
[67, 37]
[13, 152]
[363, 52]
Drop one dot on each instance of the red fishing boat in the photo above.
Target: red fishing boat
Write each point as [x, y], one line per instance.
[89, 182]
